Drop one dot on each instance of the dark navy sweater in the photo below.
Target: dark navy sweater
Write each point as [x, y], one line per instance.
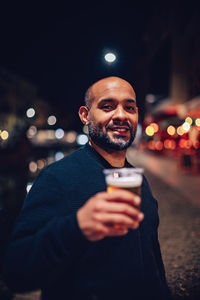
[48, 251]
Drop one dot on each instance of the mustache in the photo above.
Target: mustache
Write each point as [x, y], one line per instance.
[114, 124]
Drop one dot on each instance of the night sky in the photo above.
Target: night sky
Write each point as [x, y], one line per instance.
[60, 49]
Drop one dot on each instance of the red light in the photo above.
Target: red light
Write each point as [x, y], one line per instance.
[182, 143]
[170, 144]
[155, 127]
[151, 145]
[196, 145]
[159, 145]
[188, 144]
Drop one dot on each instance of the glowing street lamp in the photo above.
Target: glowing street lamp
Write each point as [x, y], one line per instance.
[110, 57]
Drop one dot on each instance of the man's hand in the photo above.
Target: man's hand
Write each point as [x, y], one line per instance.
[109, 214]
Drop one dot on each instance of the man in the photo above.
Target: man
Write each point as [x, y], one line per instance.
[65, 241]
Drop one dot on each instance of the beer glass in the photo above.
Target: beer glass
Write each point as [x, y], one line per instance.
[124, 178]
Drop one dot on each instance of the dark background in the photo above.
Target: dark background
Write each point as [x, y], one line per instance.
[60, 48]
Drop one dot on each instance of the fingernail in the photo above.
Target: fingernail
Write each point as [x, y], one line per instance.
[137, 199]
[141, 216]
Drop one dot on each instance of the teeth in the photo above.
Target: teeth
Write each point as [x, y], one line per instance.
[120, 129]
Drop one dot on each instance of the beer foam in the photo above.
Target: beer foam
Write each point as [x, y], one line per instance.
[124, 182]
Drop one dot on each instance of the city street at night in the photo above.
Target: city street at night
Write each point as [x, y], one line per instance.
[121, 80]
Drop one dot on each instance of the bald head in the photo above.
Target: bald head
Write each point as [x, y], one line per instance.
[104, 85]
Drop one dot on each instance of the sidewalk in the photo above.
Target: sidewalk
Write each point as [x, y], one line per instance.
[179, 210]
[166, 168]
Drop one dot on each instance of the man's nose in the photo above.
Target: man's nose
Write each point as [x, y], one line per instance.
[119, 114]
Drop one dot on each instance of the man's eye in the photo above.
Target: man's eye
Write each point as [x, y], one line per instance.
[131, 108]
[106, 107]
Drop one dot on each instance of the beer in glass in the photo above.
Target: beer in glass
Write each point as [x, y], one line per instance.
[125, 178]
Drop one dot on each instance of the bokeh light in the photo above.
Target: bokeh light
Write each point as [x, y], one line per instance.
[30, 113]
[85, 129]
[51, 120]
[155, 127]
[189, 120]
[59, 133]
[82, 139]
[31, 131]
[197, 121]
[110, 57]
[28, 187]
[159, 145]
[170, 144]
[71, 136]
[59, 155]
[180, 130]
[186, 126]
[171, 130]
[4, 135]
[41, 163]
[32, 166]
[149, 130]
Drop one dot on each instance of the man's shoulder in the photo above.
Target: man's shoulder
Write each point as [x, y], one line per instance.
[69, 162]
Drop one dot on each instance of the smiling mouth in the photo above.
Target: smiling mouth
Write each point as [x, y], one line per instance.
[119, 130]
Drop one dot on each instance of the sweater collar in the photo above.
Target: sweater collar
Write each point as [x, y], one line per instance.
[102, 160]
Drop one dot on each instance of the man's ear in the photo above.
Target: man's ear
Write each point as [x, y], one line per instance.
[83, 114]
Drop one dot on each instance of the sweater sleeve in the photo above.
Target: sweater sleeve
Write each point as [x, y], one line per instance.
[45, 242]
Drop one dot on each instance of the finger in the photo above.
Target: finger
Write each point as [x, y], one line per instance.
[123, 208]
[124, 196]
[112, 219]
[117, 232]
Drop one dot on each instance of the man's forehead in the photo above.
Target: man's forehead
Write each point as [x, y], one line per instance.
[110, 84]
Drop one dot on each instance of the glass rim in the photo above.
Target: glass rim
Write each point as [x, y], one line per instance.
[123, 170]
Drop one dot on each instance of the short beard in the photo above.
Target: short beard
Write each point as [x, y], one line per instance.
[103, 140]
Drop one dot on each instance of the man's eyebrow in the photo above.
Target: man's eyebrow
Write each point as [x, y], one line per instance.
[102, 101]
[131, 101]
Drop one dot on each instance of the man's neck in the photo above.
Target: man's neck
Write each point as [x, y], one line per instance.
[114, 158]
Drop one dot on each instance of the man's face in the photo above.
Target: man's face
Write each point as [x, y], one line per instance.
[113, 116]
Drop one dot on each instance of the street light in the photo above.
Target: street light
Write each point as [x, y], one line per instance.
[110, 57]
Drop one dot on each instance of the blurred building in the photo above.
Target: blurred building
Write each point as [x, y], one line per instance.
[170, 65]
[16, 96]
[169, 81]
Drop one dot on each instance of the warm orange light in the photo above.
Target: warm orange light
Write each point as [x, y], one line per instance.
[188, 144]
[32, 166]
[196, 145]
[41, 164]
[159, 145]
[185, 144]
[171, 130]
[4, 135]
[189, 120]
[155, 127]
[173, 145]
[180, 130]
[197, 121]
[182, 143]
[170, 144]
[151, 145]
[166, 144]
